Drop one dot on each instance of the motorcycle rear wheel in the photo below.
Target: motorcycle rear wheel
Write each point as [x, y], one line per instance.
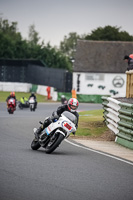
[20, 106]
[54, 143]
[35, 145]
[31, 108]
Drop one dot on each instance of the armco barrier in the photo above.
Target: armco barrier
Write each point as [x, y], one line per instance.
[119, 118]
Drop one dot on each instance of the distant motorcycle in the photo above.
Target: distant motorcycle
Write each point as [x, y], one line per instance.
[23, 103]
[11, 105]
[63, 99]
[64, 102]
[51, 137]
[32, 104]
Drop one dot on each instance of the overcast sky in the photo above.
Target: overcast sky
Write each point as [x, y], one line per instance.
[53, 19]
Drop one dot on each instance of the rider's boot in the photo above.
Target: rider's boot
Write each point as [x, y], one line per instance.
[41, 128]
[37, 132]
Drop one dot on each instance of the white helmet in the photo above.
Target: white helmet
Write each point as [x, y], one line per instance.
[73, 104]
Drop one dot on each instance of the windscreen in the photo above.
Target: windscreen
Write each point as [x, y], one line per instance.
[70, 116]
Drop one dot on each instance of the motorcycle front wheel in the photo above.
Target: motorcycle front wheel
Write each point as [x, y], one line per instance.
[35, 145]
[10, 111]
[54, 142]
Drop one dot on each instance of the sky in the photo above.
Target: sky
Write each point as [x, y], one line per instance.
[54, 19]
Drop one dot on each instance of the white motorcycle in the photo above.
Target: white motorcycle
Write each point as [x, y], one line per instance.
[32, 104]
[51, 137]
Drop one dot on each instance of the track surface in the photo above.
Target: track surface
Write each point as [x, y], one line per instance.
[69, 173]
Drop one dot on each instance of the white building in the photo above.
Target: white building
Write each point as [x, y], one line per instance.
[100, 83]
[99, 68]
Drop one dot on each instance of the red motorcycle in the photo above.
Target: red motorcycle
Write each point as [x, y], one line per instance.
[11, 105]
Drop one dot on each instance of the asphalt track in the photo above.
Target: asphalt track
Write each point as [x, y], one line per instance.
[71, 172]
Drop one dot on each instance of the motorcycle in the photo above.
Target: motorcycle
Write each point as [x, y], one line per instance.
[23, 103]
[11, 105]
[32, 104]
[52, 136]
[63, 100]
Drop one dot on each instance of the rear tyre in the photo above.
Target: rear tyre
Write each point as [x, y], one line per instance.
[34, 107]
[35, 145]
[31, 108]
[54, 142]
[20, 106]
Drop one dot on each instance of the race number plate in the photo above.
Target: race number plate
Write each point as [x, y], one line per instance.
[67, 126]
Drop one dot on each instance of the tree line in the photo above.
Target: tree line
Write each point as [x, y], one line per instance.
[13, 46]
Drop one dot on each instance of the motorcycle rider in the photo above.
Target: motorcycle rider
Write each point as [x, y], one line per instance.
[12, 95]
[23, 103]
[129, 61]
[34, 96]
[71, 106]
[63, 99]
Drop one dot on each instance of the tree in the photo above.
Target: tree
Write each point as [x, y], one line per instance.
[8, 37]
[33, 35]
[48, 54]
[68, 45]
[13, 46]
[109, 33]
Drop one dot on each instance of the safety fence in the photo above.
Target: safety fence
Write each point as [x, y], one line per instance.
[119, 119]
[40, 89]
[35, 72]
[27, 87]
[82, 98]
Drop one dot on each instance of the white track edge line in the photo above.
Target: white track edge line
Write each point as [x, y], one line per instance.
[96, 151]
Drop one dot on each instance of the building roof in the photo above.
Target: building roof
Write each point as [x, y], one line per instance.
[101, 56]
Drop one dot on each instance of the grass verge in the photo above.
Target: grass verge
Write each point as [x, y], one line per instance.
[91, 124]
[40, 98]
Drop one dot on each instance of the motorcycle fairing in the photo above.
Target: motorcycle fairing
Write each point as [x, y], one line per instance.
[67, 125]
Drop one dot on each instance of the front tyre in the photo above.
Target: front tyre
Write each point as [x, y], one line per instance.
[54, 142]
[35, 145]
[10, 111]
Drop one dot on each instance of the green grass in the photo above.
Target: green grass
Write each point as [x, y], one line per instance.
[91, 124]
[4, 95]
